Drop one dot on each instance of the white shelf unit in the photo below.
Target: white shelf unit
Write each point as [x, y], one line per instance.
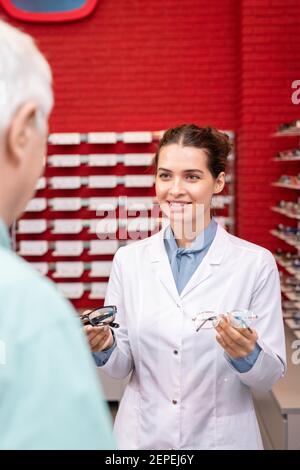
[286, 213]
[290, 240]
[286, 186]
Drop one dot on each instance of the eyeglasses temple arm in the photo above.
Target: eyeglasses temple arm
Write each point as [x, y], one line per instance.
[203, 323]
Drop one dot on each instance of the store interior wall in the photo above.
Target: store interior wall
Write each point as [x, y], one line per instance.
[269, 63]
[149, 65]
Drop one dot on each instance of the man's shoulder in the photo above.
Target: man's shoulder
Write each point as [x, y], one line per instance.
[14, 268]
[26, 295]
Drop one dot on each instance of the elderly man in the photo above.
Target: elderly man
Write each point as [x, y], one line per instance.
[49, 392]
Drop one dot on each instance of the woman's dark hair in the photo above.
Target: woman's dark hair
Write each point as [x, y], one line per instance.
[214, 143]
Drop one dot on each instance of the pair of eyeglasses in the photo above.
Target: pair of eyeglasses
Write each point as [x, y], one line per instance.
[237, 318]
[101, 317]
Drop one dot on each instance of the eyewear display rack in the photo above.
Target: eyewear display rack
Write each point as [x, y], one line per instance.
[278, 410]
[289, 230]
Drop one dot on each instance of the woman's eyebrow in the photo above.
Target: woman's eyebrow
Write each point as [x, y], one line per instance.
[164, 169]
[194, 170]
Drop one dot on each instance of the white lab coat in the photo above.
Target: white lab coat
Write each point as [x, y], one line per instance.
[183, 393]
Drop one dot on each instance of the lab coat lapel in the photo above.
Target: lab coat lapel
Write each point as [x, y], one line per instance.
[160, 262]
[209, 263]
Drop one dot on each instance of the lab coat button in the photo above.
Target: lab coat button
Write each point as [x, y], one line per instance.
[174, 402]
[175, 352]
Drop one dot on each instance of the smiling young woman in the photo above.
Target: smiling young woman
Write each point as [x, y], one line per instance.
[190, 383]
[190, 168]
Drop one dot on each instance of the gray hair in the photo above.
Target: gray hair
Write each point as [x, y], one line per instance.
[25, 75]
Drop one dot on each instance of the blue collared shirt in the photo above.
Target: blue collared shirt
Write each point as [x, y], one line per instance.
[184, 262]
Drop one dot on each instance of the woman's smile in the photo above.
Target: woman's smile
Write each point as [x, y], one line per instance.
[178, 206]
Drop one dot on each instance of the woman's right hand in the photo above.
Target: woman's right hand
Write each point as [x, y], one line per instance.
[99, 337]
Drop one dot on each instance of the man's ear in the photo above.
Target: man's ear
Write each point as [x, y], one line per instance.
[20, 131]
[219, 183]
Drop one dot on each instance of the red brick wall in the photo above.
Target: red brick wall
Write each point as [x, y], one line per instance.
[140, 64]
[269, 63]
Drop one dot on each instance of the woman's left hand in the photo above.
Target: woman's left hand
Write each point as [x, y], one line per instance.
[237, 342]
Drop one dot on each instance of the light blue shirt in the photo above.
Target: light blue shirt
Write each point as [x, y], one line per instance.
[50, 395]
[184, 262]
